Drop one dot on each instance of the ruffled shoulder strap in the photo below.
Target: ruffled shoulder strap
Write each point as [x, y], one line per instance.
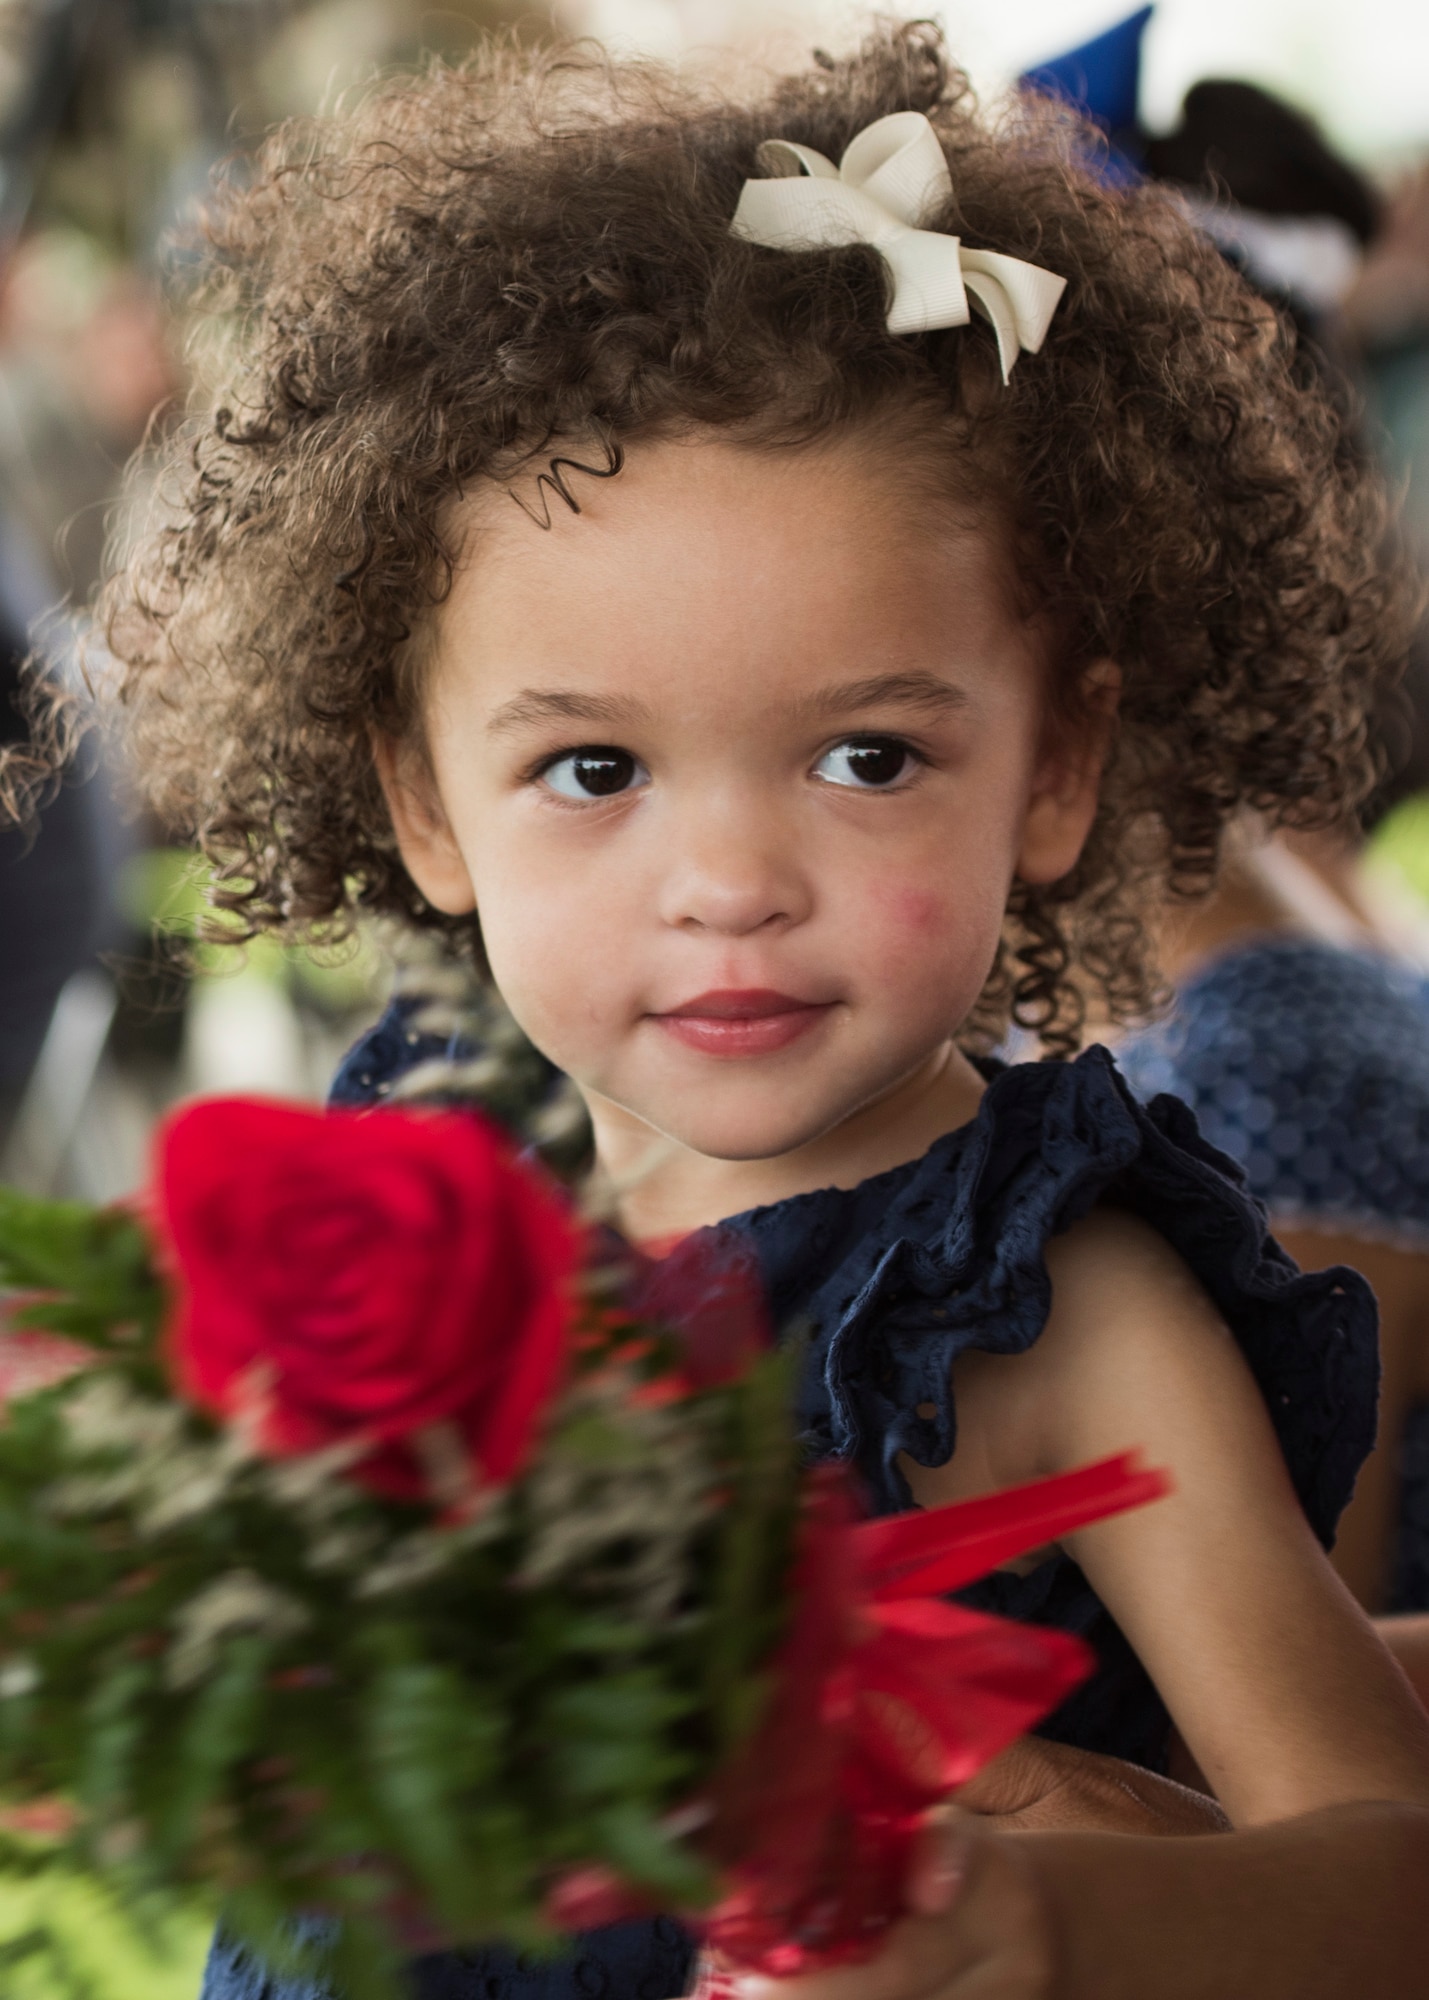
[957, 1261]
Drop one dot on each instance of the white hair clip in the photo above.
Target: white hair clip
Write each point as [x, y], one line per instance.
[890, 177]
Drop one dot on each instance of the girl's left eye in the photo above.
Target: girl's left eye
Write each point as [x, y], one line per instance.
[596, 771]
[867, 763]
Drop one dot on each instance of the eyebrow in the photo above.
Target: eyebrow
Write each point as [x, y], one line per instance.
[926, 692]
[537, 705]
[909, 690]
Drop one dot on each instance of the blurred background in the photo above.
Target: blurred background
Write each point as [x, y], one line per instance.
[1299, 127]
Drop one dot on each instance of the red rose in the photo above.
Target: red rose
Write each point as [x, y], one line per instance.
[402, 1278]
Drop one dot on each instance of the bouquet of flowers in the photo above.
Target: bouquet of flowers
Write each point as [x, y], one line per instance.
[382, 1544]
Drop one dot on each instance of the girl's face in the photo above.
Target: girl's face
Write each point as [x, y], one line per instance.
[738, 767]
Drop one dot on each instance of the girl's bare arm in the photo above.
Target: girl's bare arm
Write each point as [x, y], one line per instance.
[1275, 1678]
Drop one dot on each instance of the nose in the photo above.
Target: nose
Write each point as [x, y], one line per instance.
[732, 866]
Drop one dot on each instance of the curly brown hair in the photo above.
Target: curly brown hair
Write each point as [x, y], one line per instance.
[479, 263]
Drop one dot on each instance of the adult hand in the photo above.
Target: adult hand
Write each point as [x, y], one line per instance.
[1328, 1906]
[1042, 1787]
[976, 1929]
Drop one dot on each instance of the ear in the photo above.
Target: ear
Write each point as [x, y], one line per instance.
[1067, 782]
[424, 836]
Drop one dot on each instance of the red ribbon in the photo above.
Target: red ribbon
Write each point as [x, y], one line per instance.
[887, 1698]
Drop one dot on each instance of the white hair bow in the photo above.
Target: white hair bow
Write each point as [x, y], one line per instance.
[892, 176]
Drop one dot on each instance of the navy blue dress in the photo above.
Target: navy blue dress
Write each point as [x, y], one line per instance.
[899, 1276]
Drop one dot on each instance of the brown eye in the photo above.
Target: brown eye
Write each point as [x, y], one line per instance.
[866, 763]
[596, 771]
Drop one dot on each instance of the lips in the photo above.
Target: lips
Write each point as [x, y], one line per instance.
[745, 1021]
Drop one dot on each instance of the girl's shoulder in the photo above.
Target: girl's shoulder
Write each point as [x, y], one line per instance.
[900, 1276]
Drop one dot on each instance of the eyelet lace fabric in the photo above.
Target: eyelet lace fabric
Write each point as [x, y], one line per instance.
[894, 1279]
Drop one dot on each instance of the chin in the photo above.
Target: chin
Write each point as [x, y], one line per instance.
[758, 1135]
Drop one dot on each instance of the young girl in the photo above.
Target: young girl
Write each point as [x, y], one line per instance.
[624, 549]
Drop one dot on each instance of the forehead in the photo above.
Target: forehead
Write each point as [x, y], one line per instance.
[715, 563]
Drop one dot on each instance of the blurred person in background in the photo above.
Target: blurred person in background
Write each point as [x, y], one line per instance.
[111, 118]
[86, 361]
[51, 894]
[84, 364]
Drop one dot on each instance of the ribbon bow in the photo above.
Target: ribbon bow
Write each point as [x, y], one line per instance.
[892, 177]
[886, 1697]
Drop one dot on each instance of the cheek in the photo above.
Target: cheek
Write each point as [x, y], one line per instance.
[917, 925]
[933, 907]
[918, 914]
[936, 930]
[554, 946]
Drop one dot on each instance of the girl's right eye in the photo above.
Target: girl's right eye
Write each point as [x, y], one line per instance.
[596, 771]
